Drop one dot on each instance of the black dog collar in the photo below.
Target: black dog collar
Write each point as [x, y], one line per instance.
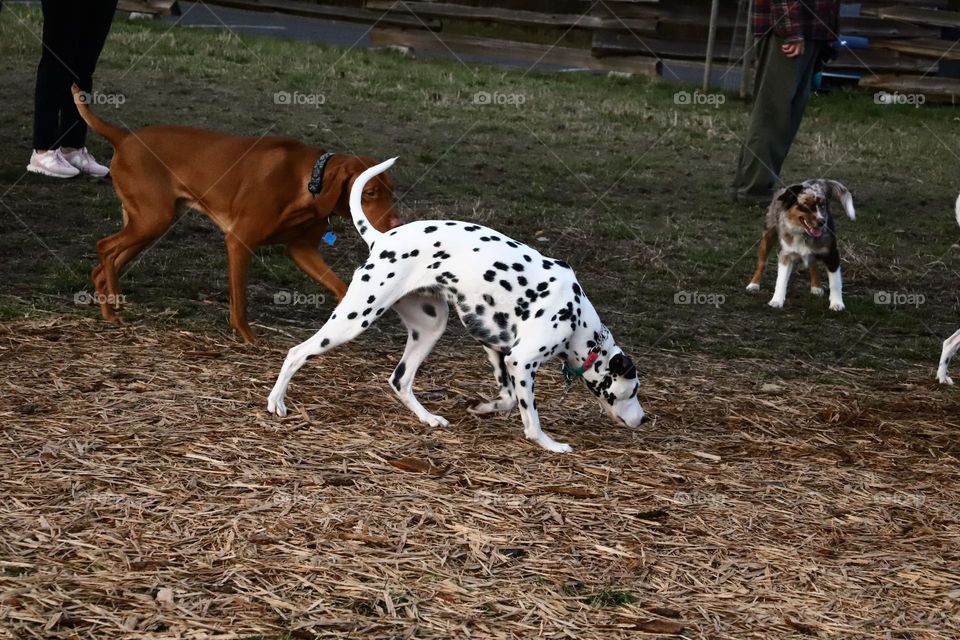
[315, 186]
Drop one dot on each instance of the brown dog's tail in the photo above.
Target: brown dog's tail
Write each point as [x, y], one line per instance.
[112, 133]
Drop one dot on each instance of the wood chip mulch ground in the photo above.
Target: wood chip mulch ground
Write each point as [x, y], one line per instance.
[146, 493]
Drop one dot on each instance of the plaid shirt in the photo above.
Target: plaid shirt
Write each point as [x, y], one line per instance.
[797, 19]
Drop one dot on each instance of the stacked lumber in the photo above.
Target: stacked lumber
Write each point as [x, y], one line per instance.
[935, 50]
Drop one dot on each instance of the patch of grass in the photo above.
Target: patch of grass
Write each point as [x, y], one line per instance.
[610, 598]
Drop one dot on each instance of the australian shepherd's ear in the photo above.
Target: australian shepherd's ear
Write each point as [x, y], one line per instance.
[789, 195]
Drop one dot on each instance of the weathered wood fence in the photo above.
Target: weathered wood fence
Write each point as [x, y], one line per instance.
[905, 44]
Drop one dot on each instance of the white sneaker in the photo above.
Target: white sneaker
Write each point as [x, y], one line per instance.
[82, 160]
[51, 163]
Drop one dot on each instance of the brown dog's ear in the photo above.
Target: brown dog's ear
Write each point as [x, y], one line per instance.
[333, 187]
[789, 195]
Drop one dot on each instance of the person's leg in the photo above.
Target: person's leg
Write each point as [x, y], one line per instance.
[93, 25]
[53, 73]
[771, 128]
[807, 67]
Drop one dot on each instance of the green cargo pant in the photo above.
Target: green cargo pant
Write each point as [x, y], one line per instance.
[781, 91]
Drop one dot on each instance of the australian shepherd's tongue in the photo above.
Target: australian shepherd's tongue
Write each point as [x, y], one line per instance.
[814, 232]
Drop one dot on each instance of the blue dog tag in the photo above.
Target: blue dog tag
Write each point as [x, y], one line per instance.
[330, 237]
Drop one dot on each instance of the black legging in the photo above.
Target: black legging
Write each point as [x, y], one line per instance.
[73, 36]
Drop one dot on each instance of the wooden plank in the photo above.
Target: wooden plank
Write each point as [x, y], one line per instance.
[606, 43]
[916, 15]
[940, 49]
[872, 61]
[512, 51]
[944, 90]
[879, 28]
[326, 11]
[508, 16]
[868, 5]
[156, 7]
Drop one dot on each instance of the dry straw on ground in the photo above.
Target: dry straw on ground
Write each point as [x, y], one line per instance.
[145, 492]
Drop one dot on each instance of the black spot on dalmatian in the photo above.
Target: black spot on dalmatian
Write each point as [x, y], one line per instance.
[390, 275]
[371, 299]
[490, 275]
[505, 285]
[443, 255]
[388, 255]
[517, 266]
[352, 315]
[324, 342]
[527, 258]
[531, 294]
[538, 313]
[415, 335]
[471, 227]
[365, 324]
[542, 286]
[450, 224]
[479, 309]
[430, 310]
[576, 289]
[523, 403]
[547, 264]
[501, 319]
[437, 243]
[561, 263]
[365, 277]
[435, 265]
[489, 299]
[367, 311]
[476, 248]
[501, 266]
[429, 229]
[512, 244]
[521, 281]
[398, 375]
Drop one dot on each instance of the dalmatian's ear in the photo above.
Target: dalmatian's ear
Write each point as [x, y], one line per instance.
[622, 365]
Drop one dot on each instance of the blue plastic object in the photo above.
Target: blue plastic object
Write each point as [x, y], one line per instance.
[330, 237]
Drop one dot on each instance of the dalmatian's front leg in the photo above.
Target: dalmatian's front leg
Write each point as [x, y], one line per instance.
[507, 400]
[524, 371]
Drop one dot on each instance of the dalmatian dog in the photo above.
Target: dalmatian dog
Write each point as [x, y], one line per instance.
[524, 308]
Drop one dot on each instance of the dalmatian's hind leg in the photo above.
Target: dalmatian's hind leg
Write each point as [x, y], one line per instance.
[360, 307]
[426, 319]
[507, 400]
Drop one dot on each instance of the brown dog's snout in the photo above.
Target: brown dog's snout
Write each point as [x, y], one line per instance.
[394, 220]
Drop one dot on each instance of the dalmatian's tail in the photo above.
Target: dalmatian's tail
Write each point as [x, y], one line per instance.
[366, 230]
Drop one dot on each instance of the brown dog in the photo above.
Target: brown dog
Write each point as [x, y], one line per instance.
[269, 190]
